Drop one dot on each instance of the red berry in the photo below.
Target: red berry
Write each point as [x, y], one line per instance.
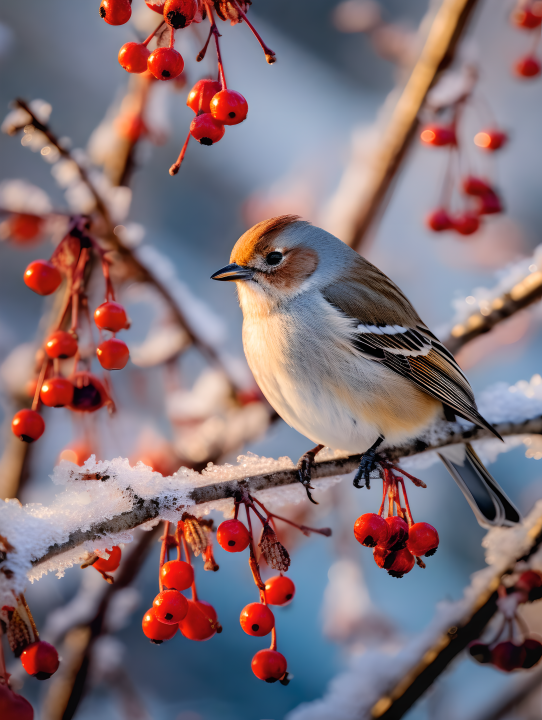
[180, 13]
[279, 590]
[528, 67]
[61, 344]
[526, 18]
[110, 316]
[199, 98]
[422, 539]
[490, 139]
[111, 563]
[439, 220]
[476, 186]
[170, 607]
[165, 63]
[371, 529]
[116, 12]
[177, 575]
[257, 619]
[206, 130]
[480, 652]
[24, 227]
[528, 580]
[56, 392]
[438, 135]
[155, 630]
[466, 224]
[133, 57]
[269, 665]
[200, 621]
[27, 425]
[533, 652]
[13, 706]
[156, 5]
[232, 536]
[489, 204]
[88, 392]
[383, 557]
[398, 533]
[42, 277]
[403, 562]
[229, 107]
[507, 656]
[113, 354]
[40, 659]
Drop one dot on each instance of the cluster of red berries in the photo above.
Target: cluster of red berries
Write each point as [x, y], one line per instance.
[81, 391]
[478, 196]
[508, 655]
[528, 16]
[39, 658]
[214, 104]
[398, 542]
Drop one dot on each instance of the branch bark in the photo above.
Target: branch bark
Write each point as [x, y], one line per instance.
[448, 25]
[145, 510]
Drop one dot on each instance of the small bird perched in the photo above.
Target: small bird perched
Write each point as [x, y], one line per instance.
[342, 356]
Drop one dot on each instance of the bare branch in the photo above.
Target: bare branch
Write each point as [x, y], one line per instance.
[150, 509]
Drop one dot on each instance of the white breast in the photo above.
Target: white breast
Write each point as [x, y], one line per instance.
[302, 360]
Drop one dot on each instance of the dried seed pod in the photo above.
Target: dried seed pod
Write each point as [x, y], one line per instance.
[227, 10]
[275, 554]
[19, 636]
[195, 534]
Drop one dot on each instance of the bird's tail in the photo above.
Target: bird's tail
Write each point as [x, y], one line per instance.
[486, 498]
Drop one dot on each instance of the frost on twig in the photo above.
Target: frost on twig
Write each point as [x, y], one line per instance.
[385, 682]
[104, 501]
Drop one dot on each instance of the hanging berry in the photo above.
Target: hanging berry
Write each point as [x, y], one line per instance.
[229, 107]
[89, 394]
[491, 139]
[232, 536]
[371, 529]
[199, 98]
[156, 631]
[110, 316]
[423, 539]
[177, 575]
[206, 130]
[40, 659]
[111, 563]
[180, 13]
[61, 344]
[13, 706]
[42, 277]
[438, 135]
[170, 607]
[28, 425]
[56, 392]
[113, 354]
[269, 665]
[133, 57]
[257, 619]
[165, 63]
[527, 67]
[279, 590]
[200, 621]
[25, 228]
[116, 12]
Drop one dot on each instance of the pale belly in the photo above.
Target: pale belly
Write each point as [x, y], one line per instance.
[331, 396]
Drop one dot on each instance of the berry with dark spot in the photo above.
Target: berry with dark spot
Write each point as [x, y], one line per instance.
[40, 659]
[423, 539]
[157, 631]
[229, 107]
[371, 530]
[115, 12]
[170, 607]
[89, 394]
[257, 619]
[279, 590]
[206, 130]
[398, 533]
[165, 63]
[508, 656]
[28, 425]
[133, 57]
[180, 13]
[232, 536]
[269, 665]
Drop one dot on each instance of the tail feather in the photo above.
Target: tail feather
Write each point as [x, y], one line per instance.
[487, 500]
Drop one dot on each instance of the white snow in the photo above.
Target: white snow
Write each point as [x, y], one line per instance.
[23, 197]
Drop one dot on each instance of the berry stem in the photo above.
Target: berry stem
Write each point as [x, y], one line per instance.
[304, 528]
[41, 378]
[273, 645]
[270, 55]
[385, 486]
[30, 617]
[174, 169]
[203, 52]
[163, 553]
[252, 562]
[172, 38]
[153, 33]
[407, 505]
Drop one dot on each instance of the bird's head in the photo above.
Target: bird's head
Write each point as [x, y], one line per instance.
[276, 259]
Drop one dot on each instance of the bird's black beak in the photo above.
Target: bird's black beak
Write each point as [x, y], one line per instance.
[233, 272]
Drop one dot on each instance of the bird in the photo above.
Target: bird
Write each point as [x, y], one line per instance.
[343, 357]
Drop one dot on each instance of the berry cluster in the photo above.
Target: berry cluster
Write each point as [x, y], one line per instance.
[81, 391]
[477, 196]
[508, 655]
[528, 16]
[398, 542]
[215, 105]
[38, 658]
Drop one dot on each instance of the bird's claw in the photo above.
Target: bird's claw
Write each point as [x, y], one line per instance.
[304, 471]
[369, 461]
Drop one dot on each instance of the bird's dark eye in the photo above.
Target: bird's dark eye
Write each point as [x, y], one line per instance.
[273, 258]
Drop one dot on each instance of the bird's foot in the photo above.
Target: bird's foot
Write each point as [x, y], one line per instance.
[304, 470]
[369, 461]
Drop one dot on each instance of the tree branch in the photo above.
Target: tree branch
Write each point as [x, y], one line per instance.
[149, 509]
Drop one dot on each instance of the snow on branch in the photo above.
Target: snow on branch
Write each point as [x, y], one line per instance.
[385, 685]
[103, 501]
[519, 286]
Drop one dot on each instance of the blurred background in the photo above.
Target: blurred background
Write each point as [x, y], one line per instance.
[310, 115]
